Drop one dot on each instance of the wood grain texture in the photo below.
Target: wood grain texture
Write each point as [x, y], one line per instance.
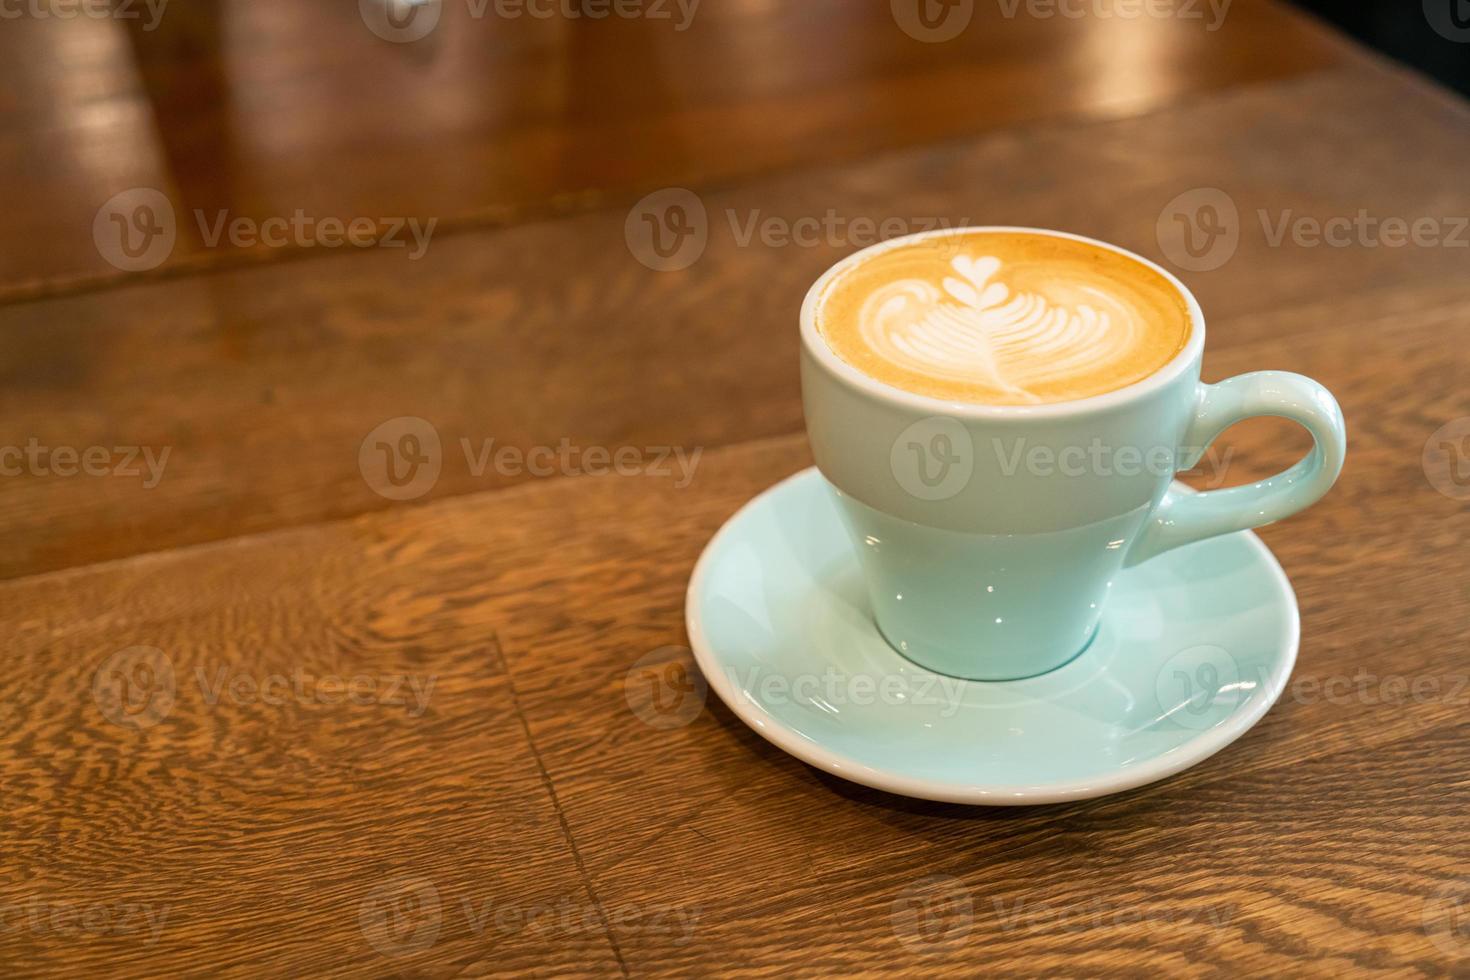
[263, 718]
[264, 383]
[262, 108]
[560, 826]
[397, 772]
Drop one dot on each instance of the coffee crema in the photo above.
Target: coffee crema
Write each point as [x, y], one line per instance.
[1003, 318]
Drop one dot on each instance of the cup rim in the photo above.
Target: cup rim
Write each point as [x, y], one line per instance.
[818, 349]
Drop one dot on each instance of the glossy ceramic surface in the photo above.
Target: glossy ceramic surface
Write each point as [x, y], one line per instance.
[1192, 650]
[993, 537]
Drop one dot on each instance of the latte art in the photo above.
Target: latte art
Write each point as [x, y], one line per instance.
[976, 329]
[1003, 318]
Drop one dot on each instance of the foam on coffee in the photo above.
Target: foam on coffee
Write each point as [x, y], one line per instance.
[1003, 318]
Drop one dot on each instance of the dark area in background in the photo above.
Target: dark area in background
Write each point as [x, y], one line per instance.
[1431, 35]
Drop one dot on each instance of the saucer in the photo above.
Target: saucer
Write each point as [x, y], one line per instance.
[1194, 647]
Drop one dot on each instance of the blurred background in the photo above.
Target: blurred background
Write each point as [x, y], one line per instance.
[492, 111]
[1430, 35]
[249, 229]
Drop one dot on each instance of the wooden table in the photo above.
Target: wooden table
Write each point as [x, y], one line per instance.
[286, 701]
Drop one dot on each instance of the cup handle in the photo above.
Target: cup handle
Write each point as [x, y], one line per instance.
[1184, 516]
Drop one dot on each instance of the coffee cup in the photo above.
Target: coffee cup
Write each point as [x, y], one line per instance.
[1002, 424]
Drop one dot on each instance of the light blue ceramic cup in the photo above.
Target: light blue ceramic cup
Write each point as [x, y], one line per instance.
[990, 535]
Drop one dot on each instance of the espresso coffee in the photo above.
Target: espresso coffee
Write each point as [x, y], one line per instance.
[1002, 318]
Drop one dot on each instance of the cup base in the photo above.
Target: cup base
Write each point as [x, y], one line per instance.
[982, 676]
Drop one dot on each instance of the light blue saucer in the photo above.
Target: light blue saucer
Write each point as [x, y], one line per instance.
[1194, 647]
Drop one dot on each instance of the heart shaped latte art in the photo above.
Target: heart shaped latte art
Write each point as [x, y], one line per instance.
[974, 328]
